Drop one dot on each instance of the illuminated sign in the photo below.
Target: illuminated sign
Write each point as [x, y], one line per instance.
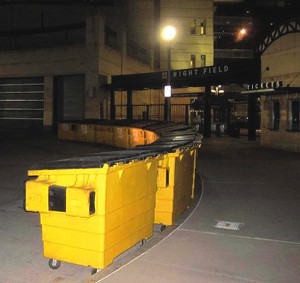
[197, 72]
[267, 85]
[168, 91]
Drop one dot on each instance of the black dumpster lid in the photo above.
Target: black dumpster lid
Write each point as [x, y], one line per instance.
[97, 160]
[186, 132]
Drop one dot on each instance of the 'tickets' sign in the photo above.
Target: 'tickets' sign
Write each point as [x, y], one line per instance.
[267, 85]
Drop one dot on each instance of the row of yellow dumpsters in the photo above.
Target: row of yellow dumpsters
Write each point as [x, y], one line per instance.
[93, 208]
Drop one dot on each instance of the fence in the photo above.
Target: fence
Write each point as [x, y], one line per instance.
[179, 112]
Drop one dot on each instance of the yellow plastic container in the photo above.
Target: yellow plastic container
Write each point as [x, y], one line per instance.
[175, 184]
[136, 137]
[90, 216]
[84, 132]
[67, 131]
[150, 136]
[104, 134]
[121, 137]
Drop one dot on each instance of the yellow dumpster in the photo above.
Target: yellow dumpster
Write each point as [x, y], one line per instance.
[67, 131]
[90, 215]
[121, 137]
[175, 184]
[150, 136]
[104, 134]
[84, 132]
[136, 137]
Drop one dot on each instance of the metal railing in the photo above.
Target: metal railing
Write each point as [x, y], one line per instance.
[179, 112]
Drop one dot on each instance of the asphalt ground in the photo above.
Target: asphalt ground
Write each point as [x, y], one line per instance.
[20, 231]
[241, 182]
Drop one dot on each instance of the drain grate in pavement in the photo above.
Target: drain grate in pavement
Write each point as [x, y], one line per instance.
[236, 226]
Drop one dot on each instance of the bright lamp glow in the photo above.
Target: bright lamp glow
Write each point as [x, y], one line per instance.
[241, 34]
[168, 33]
[168, 91]
[243, 31]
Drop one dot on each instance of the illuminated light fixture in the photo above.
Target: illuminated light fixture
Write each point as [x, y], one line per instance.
[168, 91]
[217, 90]
[168, 33]
[241, 34]
[243, 31]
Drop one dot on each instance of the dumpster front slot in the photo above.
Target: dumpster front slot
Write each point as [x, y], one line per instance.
[92, 203]
[57, 198]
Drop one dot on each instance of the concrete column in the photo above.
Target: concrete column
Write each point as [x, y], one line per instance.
[252, 118]
[129, 105]
[48, 101]
[207, 113]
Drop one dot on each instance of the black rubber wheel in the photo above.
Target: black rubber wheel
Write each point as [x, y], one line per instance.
[53, 263]
[94, 271]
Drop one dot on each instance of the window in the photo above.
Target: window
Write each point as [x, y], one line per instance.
[198, 27]
[193, 61]
[111, 38]
[202, 27]
[203, 60]
[193, 29]
[275, 115]
[294, 115]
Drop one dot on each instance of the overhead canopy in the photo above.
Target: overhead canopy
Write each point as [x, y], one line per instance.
[238, 72]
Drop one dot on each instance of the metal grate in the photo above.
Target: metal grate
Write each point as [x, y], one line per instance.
[236, 226]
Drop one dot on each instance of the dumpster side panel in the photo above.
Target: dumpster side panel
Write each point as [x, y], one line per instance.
[104, 134]
[66, 131]
[184, 180]
[136, 137]
[175, 197]
[150, 137]
[124, 212]
[121, 137]
[84, 133]
[93, 249]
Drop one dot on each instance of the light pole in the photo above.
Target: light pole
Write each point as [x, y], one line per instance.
[168, 34]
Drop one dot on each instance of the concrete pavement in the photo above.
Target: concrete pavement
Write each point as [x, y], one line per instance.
[242, 183]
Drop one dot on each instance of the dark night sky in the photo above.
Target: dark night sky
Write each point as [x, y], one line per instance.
[265, 14]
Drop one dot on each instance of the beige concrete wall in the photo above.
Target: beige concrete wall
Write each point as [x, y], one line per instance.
[180, 14]
[140, 23]
[48, 62]
[97, 61]
[281, 138]
[92, 59]
[283, 60]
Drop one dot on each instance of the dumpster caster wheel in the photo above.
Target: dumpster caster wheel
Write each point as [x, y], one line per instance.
[94, 271]
[53, 263]
[142, 242]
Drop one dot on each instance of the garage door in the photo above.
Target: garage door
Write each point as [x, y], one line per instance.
[21, 102]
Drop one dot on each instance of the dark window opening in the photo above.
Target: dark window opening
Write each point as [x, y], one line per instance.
[275, 115]
[111, 38]
[295, 116]
[193, 28]
[193, 61]
[203, 60]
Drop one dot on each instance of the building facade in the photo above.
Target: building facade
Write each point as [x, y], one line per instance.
[280, 110]
[54, 61]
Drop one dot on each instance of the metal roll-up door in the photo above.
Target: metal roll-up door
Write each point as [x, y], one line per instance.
[21, 102]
